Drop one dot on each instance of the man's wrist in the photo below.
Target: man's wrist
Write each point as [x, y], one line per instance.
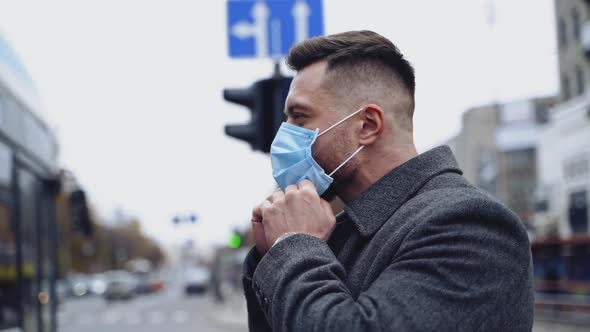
[284, 236]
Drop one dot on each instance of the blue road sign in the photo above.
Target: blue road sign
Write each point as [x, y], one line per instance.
[268, 28]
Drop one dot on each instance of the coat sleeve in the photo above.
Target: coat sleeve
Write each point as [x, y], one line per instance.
[256, 319]
[458, 273]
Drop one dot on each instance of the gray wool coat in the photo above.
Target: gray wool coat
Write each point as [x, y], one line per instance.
[420, 250]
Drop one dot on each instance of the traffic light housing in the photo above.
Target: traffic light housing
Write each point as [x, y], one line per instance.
[265, 99]
[79, 214]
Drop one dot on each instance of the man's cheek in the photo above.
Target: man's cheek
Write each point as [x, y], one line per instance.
[321, 153]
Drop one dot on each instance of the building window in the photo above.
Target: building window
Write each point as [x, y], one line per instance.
[521, 159]
[565, 87]
[580, 80]
[562, 33]
[576, 24]
[578, 212]
[577, 168]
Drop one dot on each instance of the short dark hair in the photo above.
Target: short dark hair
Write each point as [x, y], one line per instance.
[350, 48]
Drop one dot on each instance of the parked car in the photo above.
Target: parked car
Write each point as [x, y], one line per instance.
[97, 284]
[149, 283]
[157, 283]
[77, 285]
[121, 285]
[196, 280]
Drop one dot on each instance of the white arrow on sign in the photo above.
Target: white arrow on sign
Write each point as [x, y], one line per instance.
[275, 37]
[243, 30]
[258, 30]
[261, 12]
[301, 13]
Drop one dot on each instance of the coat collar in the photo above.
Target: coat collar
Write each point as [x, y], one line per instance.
[378, 203]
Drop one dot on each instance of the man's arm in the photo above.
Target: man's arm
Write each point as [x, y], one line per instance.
[456, 273]
[256, 319]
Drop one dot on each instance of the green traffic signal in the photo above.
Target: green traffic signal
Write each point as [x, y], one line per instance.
[235, 241]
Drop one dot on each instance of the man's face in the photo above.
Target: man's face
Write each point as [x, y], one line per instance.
[311, 106]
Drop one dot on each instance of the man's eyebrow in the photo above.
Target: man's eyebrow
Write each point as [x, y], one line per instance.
[289, 109]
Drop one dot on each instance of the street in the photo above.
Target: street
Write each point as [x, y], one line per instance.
[542, 325]
[169, 309]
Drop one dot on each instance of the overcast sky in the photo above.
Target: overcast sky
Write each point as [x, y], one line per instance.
[134, 91]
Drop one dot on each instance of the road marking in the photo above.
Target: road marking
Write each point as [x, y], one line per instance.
[180, 317]
[157, 317]
[111, 317]
[133, 318]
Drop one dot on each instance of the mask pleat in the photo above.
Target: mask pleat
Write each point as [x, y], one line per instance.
[298, 168]
[284, 160]
[318, 177]
[290, 143]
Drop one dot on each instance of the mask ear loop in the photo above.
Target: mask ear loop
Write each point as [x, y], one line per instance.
[355, 152]
[347, 160]
[339, 122]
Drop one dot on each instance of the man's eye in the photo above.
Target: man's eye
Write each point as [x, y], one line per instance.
[296, 116]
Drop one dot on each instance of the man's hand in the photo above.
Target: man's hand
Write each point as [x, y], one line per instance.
[297, 210]
[258, 231]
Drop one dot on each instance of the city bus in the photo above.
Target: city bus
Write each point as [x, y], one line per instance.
[29, 183]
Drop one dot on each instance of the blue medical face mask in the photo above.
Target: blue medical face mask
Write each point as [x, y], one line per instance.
[291, 158]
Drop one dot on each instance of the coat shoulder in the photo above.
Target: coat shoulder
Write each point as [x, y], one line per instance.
[451, 195]
[451, 201]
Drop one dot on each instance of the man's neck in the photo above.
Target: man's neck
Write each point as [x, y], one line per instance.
[373, 170]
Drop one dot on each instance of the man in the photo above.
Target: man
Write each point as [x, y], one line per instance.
[417, 247]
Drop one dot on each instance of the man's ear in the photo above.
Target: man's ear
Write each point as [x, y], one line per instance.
[373, 118]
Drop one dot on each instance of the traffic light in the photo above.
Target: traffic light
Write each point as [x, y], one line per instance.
[79, 215]
[235, 241]
[265, 99]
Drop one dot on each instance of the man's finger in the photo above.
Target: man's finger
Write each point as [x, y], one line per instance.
[290, 188]
[264, 207]
[306, 185]
[257, 229]
[259, 237]
[277, 195]
[257, 213]
[269, 198]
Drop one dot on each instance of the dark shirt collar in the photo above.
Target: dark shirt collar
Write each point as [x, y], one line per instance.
[378, 203]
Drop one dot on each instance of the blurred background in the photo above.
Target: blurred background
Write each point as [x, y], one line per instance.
[133, 140]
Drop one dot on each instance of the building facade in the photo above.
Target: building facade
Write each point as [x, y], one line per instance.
[29, 182]
[564, 142]
[573, 44]
[496, 150]
[564, 171]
